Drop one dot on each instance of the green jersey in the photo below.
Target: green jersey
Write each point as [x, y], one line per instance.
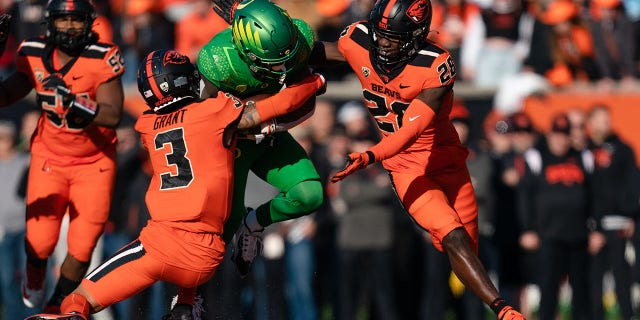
[219, 62]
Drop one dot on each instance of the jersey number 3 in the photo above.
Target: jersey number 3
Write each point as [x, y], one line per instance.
[177, 157]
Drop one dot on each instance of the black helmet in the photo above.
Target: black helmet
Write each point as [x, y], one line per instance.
[167, 81]
[70, 42]
[407, 21]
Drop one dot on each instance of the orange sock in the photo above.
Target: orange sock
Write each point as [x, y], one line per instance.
[76, 303]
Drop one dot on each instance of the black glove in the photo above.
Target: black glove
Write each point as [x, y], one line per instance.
[5, 26]
[81, 111]
[56, 83]
[225, 8]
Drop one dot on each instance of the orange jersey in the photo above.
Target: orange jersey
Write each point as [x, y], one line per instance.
[192, 181]
[388, 96]
[53, 138]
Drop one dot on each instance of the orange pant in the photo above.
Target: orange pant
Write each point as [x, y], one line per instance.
[133, 268]
[440, 203]
[82, 190]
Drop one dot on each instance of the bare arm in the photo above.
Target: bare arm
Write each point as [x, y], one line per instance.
[14, 88]
[433, 97]
[250, 117]
[326, 53]
[110, 98]
[332, 53]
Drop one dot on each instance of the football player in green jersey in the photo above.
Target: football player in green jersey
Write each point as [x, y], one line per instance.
[262, 51]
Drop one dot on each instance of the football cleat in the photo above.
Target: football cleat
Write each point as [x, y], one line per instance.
[248, 246]
[63, 316]
[185, 311]
[509, 313]
[31, 297]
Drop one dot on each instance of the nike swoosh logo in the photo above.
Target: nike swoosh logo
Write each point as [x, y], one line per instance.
[403, 86]
[104, 170]
[76, 77]
[414, 117]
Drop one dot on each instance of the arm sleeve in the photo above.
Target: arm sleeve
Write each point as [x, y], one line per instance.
[392, 144]
[289, 98]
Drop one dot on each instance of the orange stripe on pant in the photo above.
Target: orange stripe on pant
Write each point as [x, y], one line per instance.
[440, 203]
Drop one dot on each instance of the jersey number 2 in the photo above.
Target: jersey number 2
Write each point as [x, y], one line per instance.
[177, 157]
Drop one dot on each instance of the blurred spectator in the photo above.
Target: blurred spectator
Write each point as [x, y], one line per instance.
[27, 22]
[322, 122]
[613, 32]
[571, 46]
[203, 19]
[324, 145]
[334, 15]
[299, 256]
[450, 20]
[613, 211]
[145, 28]
[304, 9]
[102, 24]
[577, 119]
[13, 165]
[553, 209]
[358, 10]
[495, 43]
[509, 137]
[356, 121]
[364, 242]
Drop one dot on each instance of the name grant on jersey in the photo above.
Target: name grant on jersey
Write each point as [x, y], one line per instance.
[169, 119]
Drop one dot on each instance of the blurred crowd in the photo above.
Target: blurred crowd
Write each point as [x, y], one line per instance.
[365, 258]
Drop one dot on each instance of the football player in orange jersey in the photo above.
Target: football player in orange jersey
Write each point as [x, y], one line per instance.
[76, 79]
[191, 146]
[407, 85]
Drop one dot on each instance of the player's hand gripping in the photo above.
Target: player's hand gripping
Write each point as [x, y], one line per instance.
[355, 162]
[56, 83]
[225, 8]
[5, 26]
[80, 111]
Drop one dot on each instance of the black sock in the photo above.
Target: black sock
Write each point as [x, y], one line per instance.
[64, 287]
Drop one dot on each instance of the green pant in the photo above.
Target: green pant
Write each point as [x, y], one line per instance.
[283, 163]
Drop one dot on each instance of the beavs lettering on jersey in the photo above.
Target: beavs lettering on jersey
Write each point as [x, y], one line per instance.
[384, 90]
[566, 173]
[166, 120]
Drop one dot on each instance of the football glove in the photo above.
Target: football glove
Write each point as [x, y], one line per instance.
[355, 162]
[508, 313]
[56, 83]
[5, 26]
[225, 8]
[80, 111]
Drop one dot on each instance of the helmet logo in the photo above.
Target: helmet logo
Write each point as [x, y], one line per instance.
[418, 11]
[245, 34]
[173, 57]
